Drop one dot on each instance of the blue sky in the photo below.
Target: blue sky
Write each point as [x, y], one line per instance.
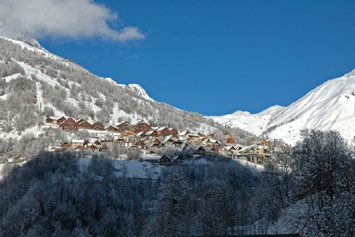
[216, 57]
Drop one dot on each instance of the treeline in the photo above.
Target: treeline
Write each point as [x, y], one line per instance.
[58, 195]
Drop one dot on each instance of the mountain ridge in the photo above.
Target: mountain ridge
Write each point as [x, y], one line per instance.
[330, 106]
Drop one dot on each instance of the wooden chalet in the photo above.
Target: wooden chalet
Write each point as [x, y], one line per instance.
[106, 141]
[156, 144]
[51, 121]
[201, 134]
[141, 127]
[163, 132]
[80, 121]
[141, 145]
[97, 143]
[179, 159]
[193, 137]
[124, 127]
[69, 125]
[79, 147]
[164, 160]
[215, 149]
[173, 132]
[65, 146]
[230, 148]
[75, 143]
[169, 140]
[61, 120]
[211, 135]
[229, 139]
[122, 142]
[184, 134]
[140, 134]
[199, 150]
[152, 133]
[93, 147]
[112, 129]
[104, 147]
[59, 149]
[178, 143]
[98, 126]
[265, 143]
[85, 125]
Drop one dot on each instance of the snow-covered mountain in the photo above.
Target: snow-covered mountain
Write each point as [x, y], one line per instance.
[35, 83]
[253, 123]
[330, 106]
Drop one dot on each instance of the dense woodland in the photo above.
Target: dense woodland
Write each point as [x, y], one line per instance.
[77, 84]
[312, 193]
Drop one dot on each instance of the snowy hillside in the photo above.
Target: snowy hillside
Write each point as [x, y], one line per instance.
[35, 83]
[331, 106]
[253, 123]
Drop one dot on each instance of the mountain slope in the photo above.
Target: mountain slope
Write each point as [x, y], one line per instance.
[35, 83]
[253, 123]
[330, 106]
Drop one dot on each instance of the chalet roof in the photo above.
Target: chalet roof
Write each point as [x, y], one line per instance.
[228, 148]
[201, 134]
[149, 133]
[140, 142]
[168, 138]
[139, 134]
[179, 156]
[84, 122]
[77, 141]
[71, 120]
[124, 122]
[177, 141]
[162, 128]
[165, 157]
[92, 146]
[80, 121]
[139, 122]
[183, 133]
[98, 123]
[193, 135]
[107, 140]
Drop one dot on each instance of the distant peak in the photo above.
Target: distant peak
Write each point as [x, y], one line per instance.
[21, 37]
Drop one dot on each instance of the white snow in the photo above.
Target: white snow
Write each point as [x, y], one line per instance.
[12, 77]
[140, 91]
[330, 106]
[253, 123]
[39, 50]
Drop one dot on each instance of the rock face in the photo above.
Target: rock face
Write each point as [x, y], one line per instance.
[330, 106]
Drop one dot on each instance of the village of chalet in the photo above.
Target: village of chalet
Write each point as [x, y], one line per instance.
[150, 140]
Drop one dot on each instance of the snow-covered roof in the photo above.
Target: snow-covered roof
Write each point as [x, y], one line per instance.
[167, 138]
[77, 141]
[149, 133]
